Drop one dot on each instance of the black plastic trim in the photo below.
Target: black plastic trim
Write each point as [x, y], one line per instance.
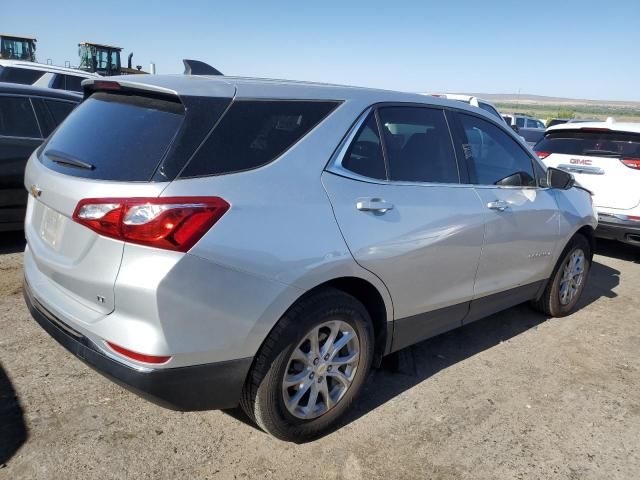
[410, 330]
[198, 387]
[620, 232]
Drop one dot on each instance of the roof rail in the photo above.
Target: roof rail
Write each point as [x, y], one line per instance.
[196, 67]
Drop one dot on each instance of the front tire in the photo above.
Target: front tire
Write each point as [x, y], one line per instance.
[311, 367]
[568, 279]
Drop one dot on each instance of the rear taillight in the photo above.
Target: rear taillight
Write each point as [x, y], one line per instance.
[140, 357]
[631, 162]
[171, 223]
[543, 155]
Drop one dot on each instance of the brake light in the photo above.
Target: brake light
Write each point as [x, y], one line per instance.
[106, 85]
[140, 357]
[632, 163]
[171, 223]
[543, 155]
[633, 218]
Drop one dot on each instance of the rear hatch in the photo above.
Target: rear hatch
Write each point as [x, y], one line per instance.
[120, 143]
[603, 160]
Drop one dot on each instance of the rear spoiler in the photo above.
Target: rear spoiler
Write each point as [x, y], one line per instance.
[196, 67]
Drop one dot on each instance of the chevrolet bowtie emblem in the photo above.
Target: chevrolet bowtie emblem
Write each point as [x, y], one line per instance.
[35, 191]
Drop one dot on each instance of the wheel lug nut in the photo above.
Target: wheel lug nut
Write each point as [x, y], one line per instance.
[326, 357]
[319, 379]
[329, 368]
[315, 361]
[311, 376]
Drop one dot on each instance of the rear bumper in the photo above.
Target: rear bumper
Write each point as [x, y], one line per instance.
[627, 232]
[199, 387]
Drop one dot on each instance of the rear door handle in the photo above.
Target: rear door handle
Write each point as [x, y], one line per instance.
[375, 205]
[499, 205]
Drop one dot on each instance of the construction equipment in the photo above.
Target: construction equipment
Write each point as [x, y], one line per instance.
[104, 59]
[17, 47]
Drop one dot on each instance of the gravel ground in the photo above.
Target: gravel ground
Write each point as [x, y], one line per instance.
[512, 396]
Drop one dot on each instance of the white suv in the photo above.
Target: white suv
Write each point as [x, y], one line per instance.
[473, 101]
[604, 158]
[41, 75]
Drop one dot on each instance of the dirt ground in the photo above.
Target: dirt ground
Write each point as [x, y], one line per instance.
[512, 396]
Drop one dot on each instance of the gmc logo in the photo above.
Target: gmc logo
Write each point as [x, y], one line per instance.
[577, 161]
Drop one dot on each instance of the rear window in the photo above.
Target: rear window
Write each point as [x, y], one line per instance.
[253, 133]
[25, 76]
[591, 143]
[117, 137]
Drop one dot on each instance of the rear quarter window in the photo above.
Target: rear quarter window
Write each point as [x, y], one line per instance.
[17, 118]
[255, 132]
[25, 76]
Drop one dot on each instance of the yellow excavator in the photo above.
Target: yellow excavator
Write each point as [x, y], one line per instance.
[17, 47]
[104, 60]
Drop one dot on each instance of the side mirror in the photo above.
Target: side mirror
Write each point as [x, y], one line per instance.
[515, 128]
[559, 179]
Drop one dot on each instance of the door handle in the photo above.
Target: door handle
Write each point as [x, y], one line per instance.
[375, 205]
[499, 205]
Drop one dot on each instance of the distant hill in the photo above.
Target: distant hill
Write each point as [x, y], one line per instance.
[525, 99]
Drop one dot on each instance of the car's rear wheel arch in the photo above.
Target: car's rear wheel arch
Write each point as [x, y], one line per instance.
[370, 297]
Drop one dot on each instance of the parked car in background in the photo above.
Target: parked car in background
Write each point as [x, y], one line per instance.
[604, 157]
[552, 122]
[531, 129]
[235, 241]
[27, 116]
[41, 75]
[473, 101]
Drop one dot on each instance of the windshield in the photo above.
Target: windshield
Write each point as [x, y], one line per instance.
[17, 49]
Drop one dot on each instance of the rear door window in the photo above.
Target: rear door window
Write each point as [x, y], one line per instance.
[253, 133]
[120, 137]
[520, 122]
[17, 118]
[364, 156]
[25, 76]
[591, 143]
[493, 157]
[418, 145]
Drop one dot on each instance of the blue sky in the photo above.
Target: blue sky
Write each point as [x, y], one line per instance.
[579, 49]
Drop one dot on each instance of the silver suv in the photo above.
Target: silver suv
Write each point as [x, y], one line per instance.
[215, 241]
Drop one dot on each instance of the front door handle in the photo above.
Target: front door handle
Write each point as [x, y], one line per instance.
[375, 205]
[499, 205]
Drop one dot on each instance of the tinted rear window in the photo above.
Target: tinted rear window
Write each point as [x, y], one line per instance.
[124, 137]
[26, 76]
[253, 133]
[594, 143]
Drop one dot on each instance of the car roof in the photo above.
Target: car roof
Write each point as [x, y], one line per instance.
[262, 88]
[19, 89]
[613, 126]
[47, 68]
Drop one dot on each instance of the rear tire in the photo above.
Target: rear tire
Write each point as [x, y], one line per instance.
[324, 381]
[567, 282]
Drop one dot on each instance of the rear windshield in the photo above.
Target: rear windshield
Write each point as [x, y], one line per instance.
[254, 132]
[114, 137]
[591, 143]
